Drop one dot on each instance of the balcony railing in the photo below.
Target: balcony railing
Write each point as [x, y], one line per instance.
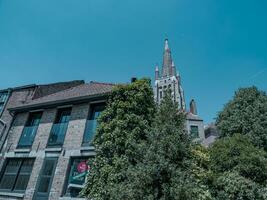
[27, 137]
[57, 134]
[90, 130]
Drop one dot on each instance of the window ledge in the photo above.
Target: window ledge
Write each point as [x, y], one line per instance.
[71, 198]
[22, 150]
[87, 148]
[75, 186]
[53, 149]
[10, 194]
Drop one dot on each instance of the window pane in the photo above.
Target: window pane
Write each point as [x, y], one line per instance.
[34, 119]
[27, 166]
[44, 184]
[63, 115]
[194, 131]
[29, 131]
[57, 134]
[7, 182]
[28, 135]
[22, 182]
[59, 128]
[13, 166]
[74, 192]
[48, 167]
[91, 124]
[96, 111]
[1, 106]
[3, 97]
[89, 131]
[45, 178]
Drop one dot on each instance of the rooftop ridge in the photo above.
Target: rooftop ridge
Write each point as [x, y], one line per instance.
[102, 83]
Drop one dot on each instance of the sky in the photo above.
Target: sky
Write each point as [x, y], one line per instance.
[217, 46]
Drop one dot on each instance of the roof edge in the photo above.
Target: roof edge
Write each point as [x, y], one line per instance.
[75, 100]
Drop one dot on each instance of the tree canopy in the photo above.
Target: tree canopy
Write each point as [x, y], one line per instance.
[246, 114]
[165, 173]
[143, 151]
[121, 134]
[239, 169]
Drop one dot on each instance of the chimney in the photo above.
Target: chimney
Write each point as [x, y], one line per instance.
[133, 79]
[193, 107]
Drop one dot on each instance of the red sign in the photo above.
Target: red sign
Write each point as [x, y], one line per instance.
[82, 167]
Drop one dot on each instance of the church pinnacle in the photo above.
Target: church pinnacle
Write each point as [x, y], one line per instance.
[168, 79]
[167, 66]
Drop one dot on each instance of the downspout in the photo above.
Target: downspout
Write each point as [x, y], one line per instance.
[4, 123]
[2, 132]
[6, 135]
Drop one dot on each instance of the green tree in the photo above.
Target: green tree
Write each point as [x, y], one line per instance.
[121, 135]
[237, 153]
[165, 171]
[239, 169]
[232, 186]
[246, 114]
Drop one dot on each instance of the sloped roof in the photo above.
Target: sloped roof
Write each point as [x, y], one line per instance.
[191, 116]
[83, 91]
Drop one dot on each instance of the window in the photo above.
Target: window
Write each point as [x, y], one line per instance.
[16, 175]
[91, 124]
[1, 107]
[78, 171]
[160, 94]
[194, 131]
[29, 131]
[45, 179]
[59, 128]
[3, 98]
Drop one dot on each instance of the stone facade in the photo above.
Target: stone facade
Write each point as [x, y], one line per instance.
[72, 147]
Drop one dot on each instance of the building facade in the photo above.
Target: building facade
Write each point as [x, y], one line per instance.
[169, 79]
[47, 139]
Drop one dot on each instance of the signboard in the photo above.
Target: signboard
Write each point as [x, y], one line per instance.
[79, 171]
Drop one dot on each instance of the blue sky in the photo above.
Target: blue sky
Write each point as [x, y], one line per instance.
[218, 46]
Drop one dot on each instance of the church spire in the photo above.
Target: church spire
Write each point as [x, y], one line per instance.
[166, 45]
[167, 67]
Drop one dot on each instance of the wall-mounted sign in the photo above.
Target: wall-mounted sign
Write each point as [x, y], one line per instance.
[79, 171]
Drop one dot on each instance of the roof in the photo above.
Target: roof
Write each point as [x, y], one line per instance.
[191, 116]
[18, 88]
[76, 93]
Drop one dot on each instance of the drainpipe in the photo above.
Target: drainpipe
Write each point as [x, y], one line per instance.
[4, 123]
[2, 132]
[3, 141]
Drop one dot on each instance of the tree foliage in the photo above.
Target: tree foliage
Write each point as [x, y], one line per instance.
[121, 134]
[246, 114]
[239, 169]
[143, 152]
[165, 172]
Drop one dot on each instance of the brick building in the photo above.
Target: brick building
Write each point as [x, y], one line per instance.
[45, 138]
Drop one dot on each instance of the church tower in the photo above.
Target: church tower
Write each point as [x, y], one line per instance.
[168, 78]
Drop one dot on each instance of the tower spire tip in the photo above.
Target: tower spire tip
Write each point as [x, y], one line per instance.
[166, 44]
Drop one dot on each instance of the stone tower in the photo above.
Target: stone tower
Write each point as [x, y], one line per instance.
[168, 78]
